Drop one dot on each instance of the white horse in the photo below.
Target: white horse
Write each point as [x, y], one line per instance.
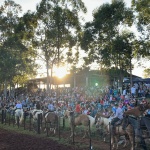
[103, 121]
[19, 114]
[35, 113]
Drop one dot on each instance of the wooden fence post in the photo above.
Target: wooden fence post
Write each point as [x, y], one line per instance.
[2, 116]
[58, 127]
[110, 135]
[38, 123]
[90, 145]
[30, 122]
[18, 122]
[24, 120]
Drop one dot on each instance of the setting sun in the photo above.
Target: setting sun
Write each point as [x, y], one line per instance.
[60, 72]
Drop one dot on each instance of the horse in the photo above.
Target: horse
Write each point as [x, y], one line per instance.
[34, 114]
[131, 118]
[104, 122]
[36, 111]
[128, 131]
[51, 118]
[81, 119]
[138, 110]
[19, 114]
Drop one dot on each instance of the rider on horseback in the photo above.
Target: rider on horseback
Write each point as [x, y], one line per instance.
[51, 107]
[18, 105]
[118, 116]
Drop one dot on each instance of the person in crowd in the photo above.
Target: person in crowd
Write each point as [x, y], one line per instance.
[93, 111]
[124, 92]
[113, 109]
[51, 107]
[85, 110]
[106, 113]
[133, 91]
[98, 106]
[110, 98]
[124, 107]
[106, 104]
[102, 102]
[115, 92]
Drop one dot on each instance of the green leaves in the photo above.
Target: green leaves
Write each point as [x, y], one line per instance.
[15, 32]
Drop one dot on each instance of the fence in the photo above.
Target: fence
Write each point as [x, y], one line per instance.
[9, 119]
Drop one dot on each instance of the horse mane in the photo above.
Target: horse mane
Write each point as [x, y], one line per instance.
[92, 120]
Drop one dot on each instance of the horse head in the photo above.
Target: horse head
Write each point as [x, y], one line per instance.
[101, 120]
[68, 114]
[97, 116]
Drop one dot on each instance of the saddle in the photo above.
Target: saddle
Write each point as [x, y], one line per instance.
[119, 122]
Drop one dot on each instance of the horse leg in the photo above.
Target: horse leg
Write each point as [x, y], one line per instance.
[125, 140]
[15, 119]
[104, 136]
[54, 130]
[86, 132]
[125, 143]
[113, 142]
[116, 141]
[21, 119]
[71, 132]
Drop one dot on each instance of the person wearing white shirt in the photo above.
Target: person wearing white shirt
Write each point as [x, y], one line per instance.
[124, 92]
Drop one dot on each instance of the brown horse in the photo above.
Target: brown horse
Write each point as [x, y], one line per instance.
[82, 119]
[138, 110]
[52, 119]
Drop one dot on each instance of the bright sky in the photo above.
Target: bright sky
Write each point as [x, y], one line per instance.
[90, 4]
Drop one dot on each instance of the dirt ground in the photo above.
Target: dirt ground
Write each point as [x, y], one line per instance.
[15, 141]
[10, 140]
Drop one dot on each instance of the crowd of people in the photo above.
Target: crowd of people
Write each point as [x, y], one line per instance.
[84, 100]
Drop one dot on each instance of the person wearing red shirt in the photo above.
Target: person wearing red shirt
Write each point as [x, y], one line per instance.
[78, 108]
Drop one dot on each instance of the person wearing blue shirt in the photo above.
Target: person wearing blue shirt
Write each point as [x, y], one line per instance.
[18, 105]
[51, 107]
[113, 109]
[118, 116]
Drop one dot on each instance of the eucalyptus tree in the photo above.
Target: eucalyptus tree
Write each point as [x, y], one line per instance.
[14, 53]
[104, 41]
[58, 25]
[142, 44]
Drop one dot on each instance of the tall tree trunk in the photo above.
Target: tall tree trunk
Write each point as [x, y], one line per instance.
[47, 68]
[5, 88]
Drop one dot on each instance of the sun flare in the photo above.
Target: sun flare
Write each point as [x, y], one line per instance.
[60, 72]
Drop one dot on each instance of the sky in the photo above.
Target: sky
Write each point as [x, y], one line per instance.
[90, 4]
